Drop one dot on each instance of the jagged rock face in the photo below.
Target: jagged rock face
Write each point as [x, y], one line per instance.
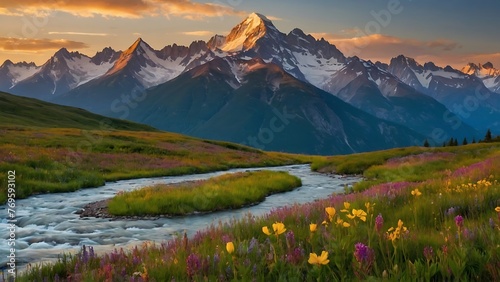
[107, 55]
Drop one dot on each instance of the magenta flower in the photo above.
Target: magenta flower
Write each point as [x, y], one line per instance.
[193, 265]
[459, 221]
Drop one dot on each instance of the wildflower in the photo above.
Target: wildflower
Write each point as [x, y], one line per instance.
[369, 207]
[230, 247]
[313, 227]
[347, 205]
[266, 230]
[497, 209]
[318, 260]
[278, 228]
[361, 214]
[331, 212]
[451, 211]
[428, 253]
[193, 265]
[290, 239]
[459, 221]
[395, 233]
[379, 223]
[416, 193]
[342, 223]
[363, 253]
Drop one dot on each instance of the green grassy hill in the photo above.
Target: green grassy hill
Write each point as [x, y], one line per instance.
[59, 149]
[24, 111]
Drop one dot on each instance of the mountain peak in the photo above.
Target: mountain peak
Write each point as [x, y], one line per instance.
[243, 36]
[488, 65]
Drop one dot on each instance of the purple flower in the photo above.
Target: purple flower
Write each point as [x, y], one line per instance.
[379, 223]
[451, 211]
[363, 253]
[251, 246]
[216, 260]
[459, 221]
[428, 253]
[193, 265]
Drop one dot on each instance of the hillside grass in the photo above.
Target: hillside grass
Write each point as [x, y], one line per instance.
[229, 191]
[433, 215]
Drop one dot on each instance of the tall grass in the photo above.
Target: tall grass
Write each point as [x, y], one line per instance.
[229, 191]
[442, 228]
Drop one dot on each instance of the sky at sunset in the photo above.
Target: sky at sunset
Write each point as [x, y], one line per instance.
[449, 32]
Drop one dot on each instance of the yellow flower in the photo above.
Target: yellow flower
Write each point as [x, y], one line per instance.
[359, 213]
[346, 207]
[342, 223]
[313, 227]
[324, 223]
[278, 228]
[230, 247]
[369, 207]
[331, 212]
[416, 193]
[497, 209]
[319, 260]
[395, 233]
[266, 230]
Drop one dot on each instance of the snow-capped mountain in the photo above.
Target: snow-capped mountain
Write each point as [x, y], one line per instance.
[11, 74]
[137, 68]
[261, 105]
[150, 67]
[299, 54]
[463, 94]
[61, 73]
[486, 72]
[374, 90]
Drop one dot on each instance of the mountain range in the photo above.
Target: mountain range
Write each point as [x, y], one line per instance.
[271, 90]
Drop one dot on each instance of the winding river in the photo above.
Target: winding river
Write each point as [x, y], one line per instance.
[47, 225]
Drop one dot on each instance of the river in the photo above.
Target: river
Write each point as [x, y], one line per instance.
[47, 225]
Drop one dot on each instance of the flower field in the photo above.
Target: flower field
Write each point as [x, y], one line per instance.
[433, 217]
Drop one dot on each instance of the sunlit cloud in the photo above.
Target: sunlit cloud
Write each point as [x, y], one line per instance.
[30, 44]
[198, 33]
[379, 47]
[78, 33]
[125, 8]
[274, 18]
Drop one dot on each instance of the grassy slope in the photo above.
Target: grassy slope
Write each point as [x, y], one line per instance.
[57, 149]
[22, 111]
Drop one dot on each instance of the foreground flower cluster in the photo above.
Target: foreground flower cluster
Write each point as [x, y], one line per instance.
[425, 231]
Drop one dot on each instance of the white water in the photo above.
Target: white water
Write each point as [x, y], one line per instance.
[48, 226]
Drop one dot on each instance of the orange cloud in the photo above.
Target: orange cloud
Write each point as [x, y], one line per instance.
[123, 8]
[35, 45]
[379, 47]
[198, 33]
